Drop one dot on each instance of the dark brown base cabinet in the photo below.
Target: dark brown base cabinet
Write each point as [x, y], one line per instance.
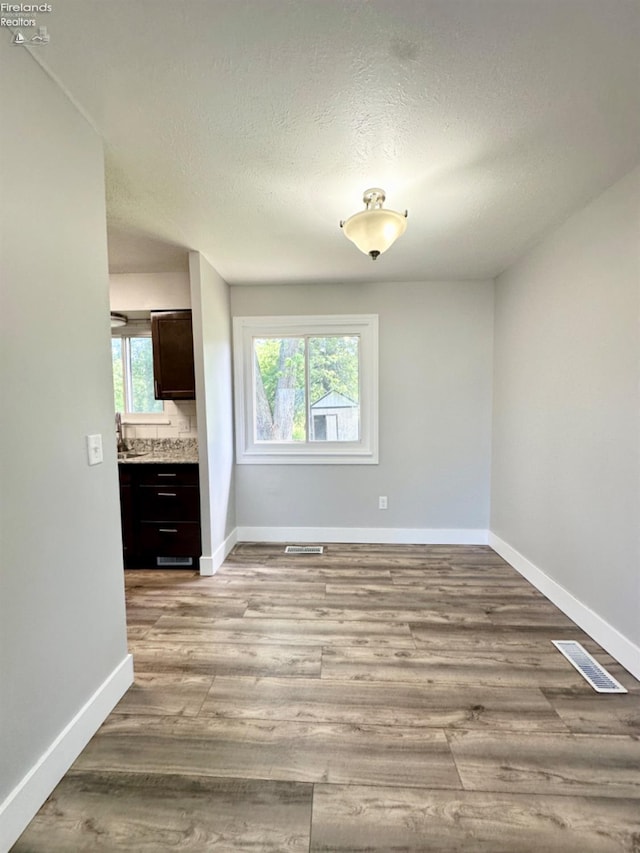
[160, 507]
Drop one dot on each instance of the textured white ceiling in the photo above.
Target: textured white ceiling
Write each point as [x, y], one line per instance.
[247, 129]
[132, 252]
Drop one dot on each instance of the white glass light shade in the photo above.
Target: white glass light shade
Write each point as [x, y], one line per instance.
[373, 231]
[118, 320]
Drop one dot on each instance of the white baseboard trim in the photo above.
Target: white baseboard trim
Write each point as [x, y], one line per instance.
[23, 802]
[364, 535]
[618, 646]
[210, 565]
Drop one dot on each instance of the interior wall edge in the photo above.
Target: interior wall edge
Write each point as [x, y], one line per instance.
[619, 647]
[29, 794]
[209, 565]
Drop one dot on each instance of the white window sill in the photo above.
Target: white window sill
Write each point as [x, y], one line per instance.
[306, 459]
[154, 420]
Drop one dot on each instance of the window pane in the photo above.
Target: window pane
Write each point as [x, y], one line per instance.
[279, 396]
[334, 388]
[118, 379]
[142, 377]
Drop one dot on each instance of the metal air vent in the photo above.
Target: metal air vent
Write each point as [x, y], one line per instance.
[303, 549]
[174, 561]
[588, 667]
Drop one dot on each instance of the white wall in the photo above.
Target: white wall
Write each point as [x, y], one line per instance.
[566, 464]
[62, 617]
[214, 402]
[163, 291]
[435, 413]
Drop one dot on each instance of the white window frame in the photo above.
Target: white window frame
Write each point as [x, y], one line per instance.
[135, 329]
[361, 452]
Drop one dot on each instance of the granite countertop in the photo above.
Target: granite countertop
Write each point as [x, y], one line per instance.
[160, 450]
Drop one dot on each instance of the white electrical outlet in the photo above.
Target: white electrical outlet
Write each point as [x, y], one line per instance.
[382, 502]
[94, 449]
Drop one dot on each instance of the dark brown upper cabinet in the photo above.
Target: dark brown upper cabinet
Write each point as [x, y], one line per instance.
[172, 338]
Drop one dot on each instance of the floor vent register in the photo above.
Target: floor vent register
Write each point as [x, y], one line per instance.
[303, 549]
[588, 667]
[172, 562]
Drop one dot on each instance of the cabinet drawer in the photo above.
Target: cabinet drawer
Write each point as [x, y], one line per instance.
[169, 503]
[169, 538]
[170, 475]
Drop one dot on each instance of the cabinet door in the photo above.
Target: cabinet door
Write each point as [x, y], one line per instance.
[126, 514]
[172, 339]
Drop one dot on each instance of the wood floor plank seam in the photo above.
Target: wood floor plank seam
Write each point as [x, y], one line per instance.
[496, 792]
[500, 792]
[204, 698]
[410, 703]
[388, 726]
[162, 775]
[313, 789]
[455, 763]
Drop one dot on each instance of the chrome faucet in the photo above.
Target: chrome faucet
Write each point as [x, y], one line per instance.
[121, 446]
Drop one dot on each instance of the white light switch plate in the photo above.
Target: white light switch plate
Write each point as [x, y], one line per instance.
[94, 449]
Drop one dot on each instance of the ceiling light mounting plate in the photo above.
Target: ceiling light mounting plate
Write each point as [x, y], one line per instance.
[374, 197]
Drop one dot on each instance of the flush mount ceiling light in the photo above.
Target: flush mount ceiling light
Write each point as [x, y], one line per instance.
[118, 320]
[374, 229]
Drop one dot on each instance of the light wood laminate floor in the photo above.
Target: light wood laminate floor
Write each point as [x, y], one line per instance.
[375, 698]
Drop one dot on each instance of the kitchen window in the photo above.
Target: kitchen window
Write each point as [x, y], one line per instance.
[306, 389]
[132, 360]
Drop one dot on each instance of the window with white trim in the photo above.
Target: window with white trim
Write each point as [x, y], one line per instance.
[132, 361]
[306, 389]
